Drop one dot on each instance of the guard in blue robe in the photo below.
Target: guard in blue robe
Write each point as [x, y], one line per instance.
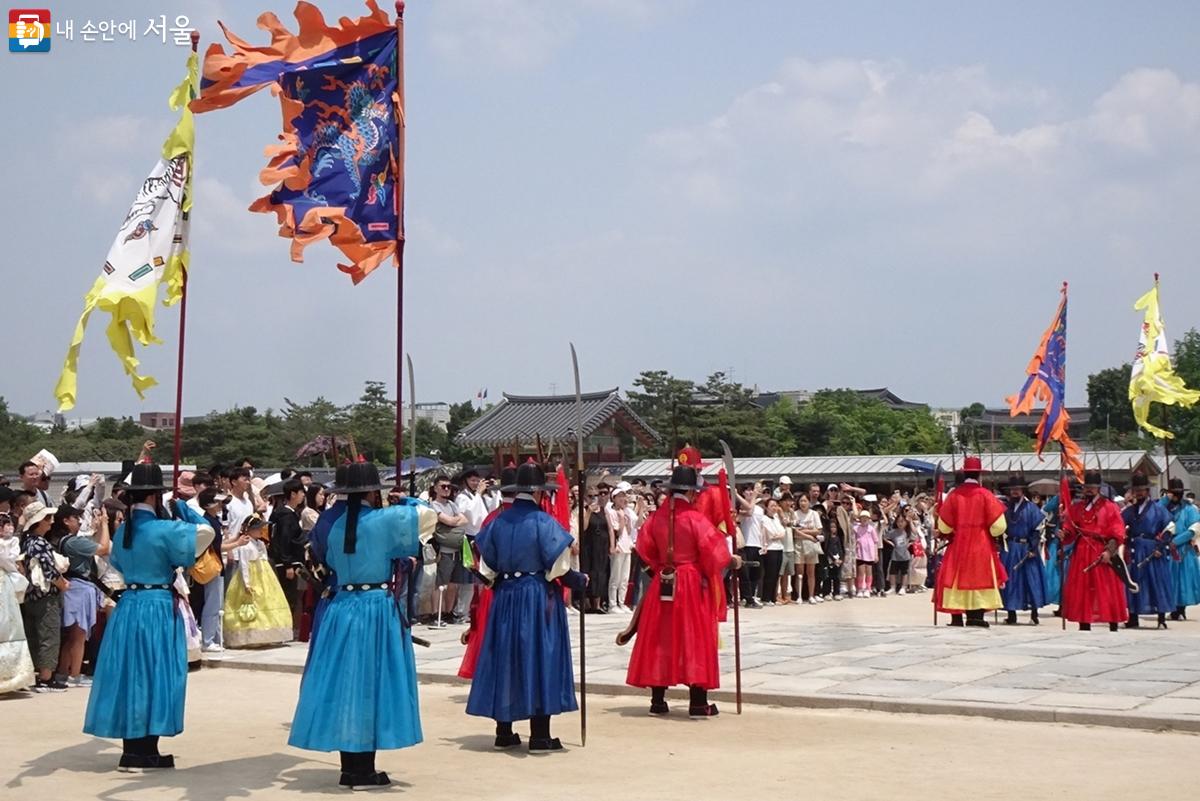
[140, 681]
[359, 691]
[1026, 585]
[524, 670]
[1185, 572]
[1149, 529]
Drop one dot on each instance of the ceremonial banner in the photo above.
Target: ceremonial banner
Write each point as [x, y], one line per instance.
[338, 167]
[150, 248]
[1153, 379]
[1047, 382]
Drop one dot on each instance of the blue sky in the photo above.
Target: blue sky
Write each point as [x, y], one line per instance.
[834, 194]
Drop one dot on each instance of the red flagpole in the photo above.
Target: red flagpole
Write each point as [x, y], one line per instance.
[400, 125]
[182, 330]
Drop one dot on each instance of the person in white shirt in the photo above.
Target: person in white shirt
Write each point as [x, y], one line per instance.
[809, 538]
[622, 523]
[774, 533]
[475, 502]
[750, 517]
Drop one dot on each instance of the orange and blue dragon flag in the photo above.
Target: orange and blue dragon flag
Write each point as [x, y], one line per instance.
[1047, 382]
[338, 171]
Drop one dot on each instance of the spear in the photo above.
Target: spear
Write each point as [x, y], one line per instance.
[581, 483]
[735, 581]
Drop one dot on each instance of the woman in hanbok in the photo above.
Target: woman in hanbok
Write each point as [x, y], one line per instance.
[16, 666]
[256, 611]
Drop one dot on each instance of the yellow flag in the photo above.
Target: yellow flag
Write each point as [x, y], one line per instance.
[150, 249]
[1153, 379]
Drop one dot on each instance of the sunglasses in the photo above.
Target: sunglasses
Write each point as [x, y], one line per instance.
[443, 486]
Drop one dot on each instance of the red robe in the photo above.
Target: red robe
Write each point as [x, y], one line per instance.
[677, 640]
[481, 604]
[971, 574]
[1097, 596]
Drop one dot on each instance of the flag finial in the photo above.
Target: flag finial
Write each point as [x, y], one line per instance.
[399, 8]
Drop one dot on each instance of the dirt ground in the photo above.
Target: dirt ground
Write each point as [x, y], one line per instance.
[235, 747]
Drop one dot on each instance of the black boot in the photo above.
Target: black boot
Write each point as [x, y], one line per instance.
[956, 619]
[698, 705]
[1086, 626]
[1133, 622]
[141, 754]
[1113, 627]
[540, 741]
[505, 736]
[658, 701]
[1011, 620]
[1162, 620]
[1033, 618]
[358, 771]
[975, 619]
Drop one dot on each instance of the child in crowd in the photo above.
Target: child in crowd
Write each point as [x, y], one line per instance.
[901, 538]
[866, 546]
[42, 609]
[256, 611]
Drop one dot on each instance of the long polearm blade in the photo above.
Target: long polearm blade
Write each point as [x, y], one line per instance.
[412, 427]
[735, 582]
[581, 483]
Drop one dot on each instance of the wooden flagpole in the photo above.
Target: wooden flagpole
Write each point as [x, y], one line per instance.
[398, 111]
[183, 294]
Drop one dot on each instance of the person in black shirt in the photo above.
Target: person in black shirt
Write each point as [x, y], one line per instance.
[287, 543]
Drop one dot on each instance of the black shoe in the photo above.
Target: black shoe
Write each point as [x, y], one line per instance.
[706, 711]
[979, 623]
[50, 686]
[1087, 626]
[436, 624]
[365, 781]
[1057, 612]
[1133, 623]
[956, 620]
[1114, 627]
[1011, 619]
[543, 745]
[659, 709]
[457, 620]
[1176, 616]
[1033, 618]
[506, 741]
[1162, 620]
[136, 763]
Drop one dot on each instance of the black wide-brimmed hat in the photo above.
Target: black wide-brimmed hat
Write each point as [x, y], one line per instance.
[1139, 480]
[146, 478]
[508, 480]
[1015, 481]
[684, 478]
[1175, 485]
[531, 477]
[360, 478]
[1092, 479]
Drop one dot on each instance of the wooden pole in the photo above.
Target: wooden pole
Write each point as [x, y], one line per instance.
[183, 295]
[398, 112]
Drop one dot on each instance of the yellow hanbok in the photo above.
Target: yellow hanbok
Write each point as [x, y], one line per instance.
[256, 612]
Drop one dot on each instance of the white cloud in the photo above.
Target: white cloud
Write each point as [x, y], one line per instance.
[221, 216]
[884, 129]
[105, 134]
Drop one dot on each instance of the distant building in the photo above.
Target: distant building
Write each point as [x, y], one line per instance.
[437, 413]
[802, 396]
[522, 425]
[157, 421]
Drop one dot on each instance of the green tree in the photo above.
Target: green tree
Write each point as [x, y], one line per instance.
[1012, 440]
[969, 427]
[302, 423]
[372, 421]
[1108, 401]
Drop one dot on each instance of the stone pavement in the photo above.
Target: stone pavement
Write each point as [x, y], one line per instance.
[874, 654]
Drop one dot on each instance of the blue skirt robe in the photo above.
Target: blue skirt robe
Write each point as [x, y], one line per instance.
[140, 682]
[359, 691]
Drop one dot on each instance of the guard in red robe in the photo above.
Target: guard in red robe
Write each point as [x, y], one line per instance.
[971, 574]
[481, 604]
[677, 634]
[1093, 591]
